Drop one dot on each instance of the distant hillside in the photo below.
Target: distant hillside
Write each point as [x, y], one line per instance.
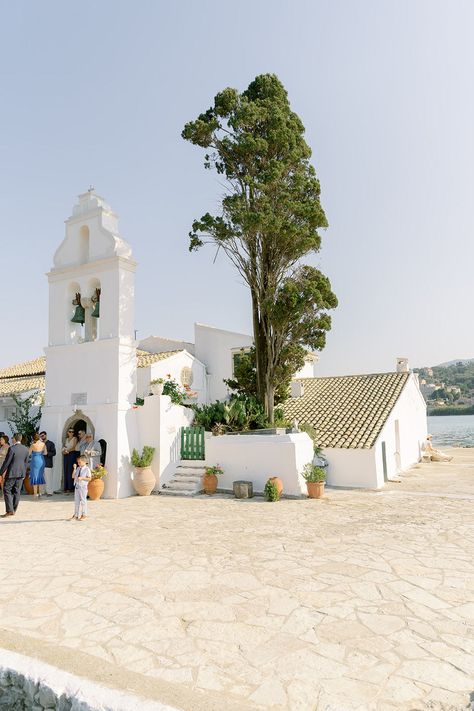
[455, 362]
[459, 373]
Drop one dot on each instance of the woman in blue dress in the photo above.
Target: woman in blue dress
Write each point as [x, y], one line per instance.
[37, 452]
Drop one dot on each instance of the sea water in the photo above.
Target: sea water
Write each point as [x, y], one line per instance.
[452, 430]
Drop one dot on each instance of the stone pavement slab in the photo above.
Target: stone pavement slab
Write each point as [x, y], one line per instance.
[364, 600]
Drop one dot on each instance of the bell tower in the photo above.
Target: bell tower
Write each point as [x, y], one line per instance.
[91, 352]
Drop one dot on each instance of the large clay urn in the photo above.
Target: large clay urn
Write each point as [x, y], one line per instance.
[28, 487]
[278, 483]
[209, 483]
[315, 489]
[95, 489]
[143, 481]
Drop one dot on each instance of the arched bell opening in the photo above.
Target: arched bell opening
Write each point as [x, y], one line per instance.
[93, 313]
[75, 313]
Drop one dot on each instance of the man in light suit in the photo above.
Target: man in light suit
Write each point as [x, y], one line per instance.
[12, 473]
[92, 450]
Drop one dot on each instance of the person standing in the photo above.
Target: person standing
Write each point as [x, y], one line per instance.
[93, 451]
[82, 477]
[4, 447]
[48, 462]
[37, 452]
[12, 474]
[70, 456]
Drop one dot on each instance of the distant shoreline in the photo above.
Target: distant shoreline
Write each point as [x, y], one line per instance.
[440, 411]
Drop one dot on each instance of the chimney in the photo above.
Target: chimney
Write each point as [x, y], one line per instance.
[402, 365]
[297, 388]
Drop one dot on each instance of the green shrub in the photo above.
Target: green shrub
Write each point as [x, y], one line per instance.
[313, 474]
[241, 412]
[271, 492]
[144, 459]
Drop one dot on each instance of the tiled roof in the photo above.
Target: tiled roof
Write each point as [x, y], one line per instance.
[145, 359]
[21, 385]
[347, 411]
[30, 375]
[29, 367]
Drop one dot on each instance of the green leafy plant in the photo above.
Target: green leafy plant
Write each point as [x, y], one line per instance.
[216, 470]
[313, 474]
[271, 492]
[311, 432]
[144, 459]
[174, 391]
[23, 420]
[157, 381]
[240, 412]
[99, 472]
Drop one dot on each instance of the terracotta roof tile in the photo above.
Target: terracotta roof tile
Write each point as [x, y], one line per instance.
[347, 411]
[146, 359]
[21, 385]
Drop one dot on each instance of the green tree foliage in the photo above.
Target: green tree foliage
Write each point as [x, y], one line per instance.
[270, 220]
[244, 381]
[25, 421]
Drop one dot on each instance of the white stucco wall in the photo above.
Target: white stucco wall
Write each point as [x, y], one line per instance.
[352, 468]
[410, 414]
[257, 457]
[173, 366]
[158, 424]
[213, 347]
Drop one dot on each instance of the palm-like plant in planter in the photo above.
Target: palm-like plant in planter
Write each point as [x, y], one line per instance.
[315, 479]
[143, 480]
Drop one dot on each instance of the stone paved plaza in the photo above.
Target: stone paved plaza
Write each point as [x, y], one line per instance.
[362, 601]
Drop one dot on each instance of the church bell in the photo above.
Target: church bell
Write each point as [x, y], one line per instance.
[96, 312]
[79, 315]
[96, 301]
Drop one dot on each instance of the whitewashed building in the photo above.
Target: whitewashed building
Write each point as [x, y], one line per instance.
[95, 376]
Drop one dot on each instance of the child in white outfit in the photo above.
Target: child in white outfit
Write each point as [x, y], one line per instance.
[82, 476]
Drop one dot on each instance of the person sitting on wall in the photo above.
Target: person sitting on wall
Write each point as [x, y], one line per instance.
[435, 454]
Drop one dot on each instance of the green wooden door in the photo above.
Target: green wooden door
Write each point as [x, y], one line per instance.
[192, 443]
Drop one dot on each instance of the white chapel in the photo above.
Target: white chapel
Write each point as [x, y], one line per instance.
[95, 376]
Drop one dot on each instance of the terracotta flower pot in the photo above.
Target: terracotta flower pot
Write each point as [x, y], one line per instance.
[315, 489]
[143, 481]
[95, 489]
[28, 487]
[278, 483]
[209, 482]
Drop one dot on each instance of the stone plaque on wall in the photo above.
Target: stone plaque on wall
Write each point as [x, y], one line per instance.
[78, 398]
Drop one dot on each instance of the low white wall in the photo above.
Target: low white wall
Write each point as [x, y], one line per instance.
[29, 684]
[353, 468]
[255, 458]
[159, 425]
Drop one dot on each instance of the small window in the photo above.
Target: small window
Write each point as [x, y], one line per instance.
[186, 376]
[237, 354]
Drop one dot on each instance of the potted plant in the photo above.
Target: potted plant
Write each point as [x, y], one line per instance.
[271, 491]
[156, 386]
[315, 478]
[209, 480]
[95, 488]
[143, 479]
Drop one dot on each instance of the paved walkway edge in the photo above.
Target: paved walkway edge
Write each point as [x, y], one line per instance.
[42, 684]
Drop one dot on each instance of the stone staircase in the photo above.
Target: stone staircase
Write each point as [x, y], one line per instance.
[187, 479]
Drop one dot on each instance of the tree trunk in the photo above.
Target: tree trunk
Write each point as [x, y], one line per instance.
[259, 343]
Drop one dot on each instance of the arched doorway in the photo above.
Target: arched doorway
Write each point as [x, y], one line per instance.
[77, 422]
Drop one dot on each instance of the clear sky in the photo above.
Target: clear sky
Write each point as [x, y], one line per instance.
[98, 92]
